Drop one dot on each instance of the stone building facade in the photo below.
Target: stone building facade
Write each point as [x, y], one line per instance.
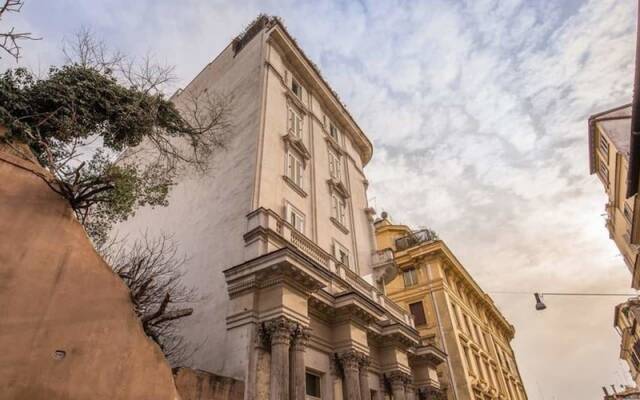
[626, 320]
[452, 312]
[281, 242]
[609, 160]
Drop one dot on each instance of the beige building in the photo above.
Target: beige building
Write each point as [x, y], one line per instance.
[626, 319]
[452, 312]
[281, 242]
[609, 160]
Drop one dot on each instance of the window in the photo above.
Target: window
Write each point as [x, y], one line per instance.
[603, 171]
[627, 212]
[312, 383]
[294, 122]
[333, 131]
[604, 146]
[410, 277]
[341, 253]
[295, 168]
[335, 166]
[479, 366]
[338, 208]
[417, 310]
[296, 88]
[466, 324]
[467, 359]
[456, 318]
[295, 218]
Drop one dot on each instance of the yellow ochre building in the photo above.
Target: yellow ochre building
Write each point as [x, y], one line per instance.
[451, 312]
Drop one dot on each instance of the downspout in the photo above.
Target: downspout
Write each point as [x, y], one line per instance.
[634, 141]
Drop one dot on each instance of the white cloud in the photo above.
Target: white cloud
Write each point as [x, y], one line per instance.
[478, 112]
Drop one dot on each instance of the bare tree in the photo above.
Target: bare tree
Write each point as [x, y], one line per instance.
[9, 39]
[151, 268]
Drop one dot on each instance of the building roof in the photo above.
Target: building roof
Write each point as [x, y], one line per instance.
[616, 125]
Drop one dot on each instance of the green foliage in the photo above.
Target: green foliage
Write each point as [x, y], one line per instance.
[87, 128]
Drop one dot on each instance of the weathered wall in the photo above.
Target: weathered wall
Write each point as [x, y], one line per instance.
[67, 326]
[201, 385]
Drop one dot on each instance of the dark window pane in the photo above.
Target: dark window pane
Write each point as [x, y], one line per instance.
[313, 385]
[417, 310]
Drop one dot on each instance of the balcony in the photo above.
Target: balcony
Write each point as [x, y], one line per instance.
[415, 238]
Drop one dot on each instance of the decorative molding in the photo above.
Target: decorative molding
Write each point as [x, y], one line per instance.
[338, 225]
[294, 186]
[338, 187]
[297, 144]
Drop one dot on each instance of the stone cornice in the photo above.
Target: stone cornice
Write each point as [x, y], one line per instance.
[279, 36]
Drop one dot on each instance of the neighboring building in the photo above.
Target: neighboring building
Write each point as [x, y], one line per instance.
[609, 159]
[452, 312]
[626, 318]
[281, 242]
[624, 393]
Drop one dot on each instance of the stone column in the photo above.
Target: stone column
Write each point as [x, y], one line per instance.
[365, 393]
[410, 391]
[280, 330]
[397, 385]
[351, 384]
[382, 388]
[297, 370]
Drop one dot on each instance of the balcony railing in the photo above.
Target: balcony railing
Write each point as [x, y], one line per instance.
[415, 238]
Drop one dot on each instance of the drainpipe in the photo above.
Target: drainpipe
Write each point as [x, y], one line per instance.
[634, 141]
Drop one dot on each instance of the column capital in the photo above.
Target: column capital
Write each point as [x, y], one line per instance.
[350, 360]
[399, 378]
[280, 330]
[300, 338]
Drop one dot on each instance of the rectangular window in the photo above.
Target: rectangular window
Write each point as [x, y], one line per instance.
[338, 208]
[295, 218]
[417, 310]
[456, 318]
[341, 253]
[479, 366]
[468, 360]
[410, 277]
[467, 325]
[604, 146]
[295, 169]
[294, 122]
[627, 212]
[296, 88]
[312, 383]
[333, 131]
[335, 166]
[603, 171]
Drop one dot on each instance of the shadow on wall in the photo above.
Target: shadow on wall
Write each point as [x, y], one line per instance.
[67, 326]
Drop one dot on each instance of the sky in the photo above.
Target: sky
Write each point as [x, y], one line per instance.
[478, 112]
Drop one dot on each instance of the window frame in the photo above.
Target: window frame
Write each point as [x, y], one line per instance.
[296, 84]
[296, 168]
[335, 164]
[338, 248]
[422, 313]
[291, 210]
[339, 208]
[295, 122]
[334, 132]
[413, 272]
[319, 379]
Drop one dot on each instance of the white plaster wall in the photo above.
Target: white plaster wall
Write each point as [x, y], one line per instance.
[316, 206]
[207, 214]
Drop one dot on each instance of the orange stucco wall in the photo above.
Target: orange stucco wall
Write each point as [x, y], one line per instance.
[67, 326]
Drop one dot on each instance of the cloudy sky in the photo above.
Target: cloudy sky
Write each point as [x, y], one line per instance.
[478, 113]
